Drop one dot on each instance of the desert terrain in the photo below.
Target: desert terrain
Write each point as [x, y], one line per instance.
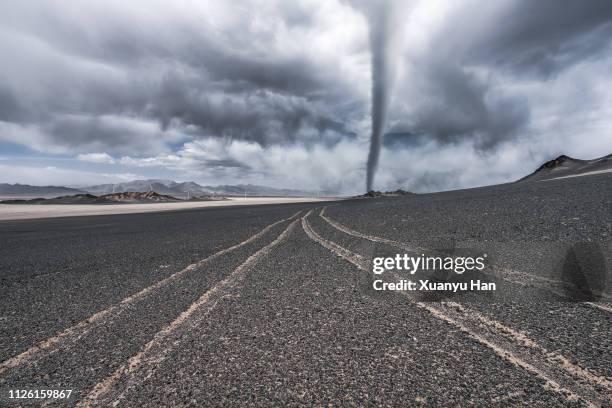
[273, 304]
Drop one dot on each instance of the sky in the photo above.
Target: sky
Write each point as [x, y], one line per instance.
[279, 92]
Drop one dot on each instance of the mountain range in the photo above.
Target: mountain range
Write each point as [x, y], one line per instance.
[166, 187]
[191, 188]
[114, 198]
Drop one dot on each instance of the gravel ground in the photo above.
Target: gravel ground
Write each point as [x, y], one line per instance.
[302, 331]
[121, 308]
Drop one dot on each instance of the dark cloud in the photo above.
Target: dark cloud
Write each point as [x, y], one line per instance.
[258, 115]
[455, 105]
[203, 82]
[525, 37]
[232, 84]
[450, 95]
[117, 135]
[543, 37]
[11, 110]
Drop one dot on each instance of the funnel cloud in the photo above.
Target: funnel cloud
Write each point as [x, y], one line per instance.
[382, 26]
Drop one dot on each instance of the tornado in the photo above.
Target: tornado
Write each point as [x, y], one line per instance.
[381, 27]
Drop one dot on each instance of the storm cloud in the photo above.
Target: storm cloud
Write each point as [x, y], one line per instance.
[280, 92]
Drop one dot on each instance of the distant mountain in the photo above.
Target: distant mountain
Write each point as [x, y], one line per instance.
[113, 198]
[70, 199]
[159, 186]
[565, 166]
[182, 190]
[25, 190]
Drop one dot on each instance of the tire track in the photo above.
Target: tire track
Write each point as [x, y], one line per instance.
[344, 253]
[509, 275]
[507, 332]
[547, 369]
[157, 349]
[522, 339]
[78, 330]
[603, 307]
[372, 238]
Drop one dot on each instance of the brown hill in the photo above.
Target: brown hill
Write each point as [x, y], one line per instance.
[139, 197]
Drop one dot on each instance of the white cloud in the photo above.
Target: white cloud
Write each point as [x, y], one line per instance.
[30, 136]
[340, 168]
[96, 158]
[59, 176]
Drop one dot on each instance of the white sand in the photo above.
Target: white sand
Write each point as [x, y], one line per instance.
[28, 211]
[588, 173]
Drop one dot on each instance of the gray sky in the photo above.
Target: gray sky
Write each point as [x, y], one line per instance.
[278, 92]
